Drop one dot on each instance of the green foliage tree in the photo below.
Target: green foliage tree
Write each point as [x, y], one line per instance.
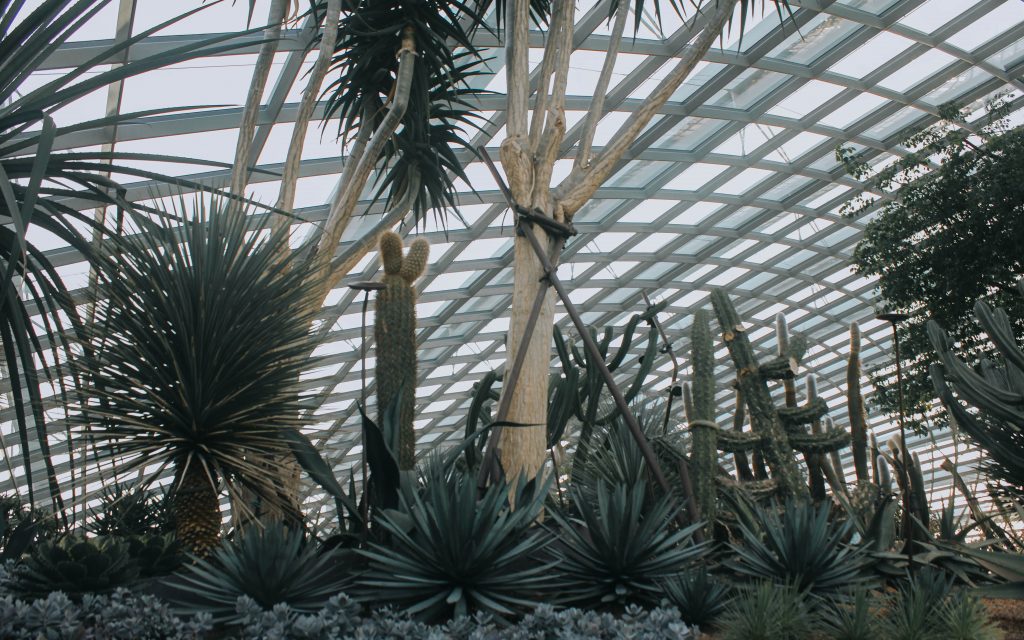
[951, 234]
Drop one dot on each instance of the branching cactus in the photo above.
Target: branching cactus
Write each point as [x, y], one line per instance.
[395, 335]
[588, 404]
[700, 413]
[752, 380]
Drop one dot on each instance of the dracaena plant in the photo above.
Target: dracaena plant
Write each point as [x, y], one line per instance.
[44, 186]
[192, 364]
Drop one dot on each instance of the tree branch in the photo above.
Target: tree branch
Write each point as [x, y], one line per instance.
[548, 67]
[348, 195]
[601, 91]
[247, 127]
[517, 68]
[581, 184]
[345, 262]
[289, 179]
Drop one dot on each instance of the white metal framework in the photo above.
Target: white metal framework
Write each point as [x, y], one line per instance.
[735, 184]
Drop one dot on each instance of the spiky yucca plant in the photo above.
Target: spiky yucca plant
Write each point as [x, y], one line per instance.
[193, 362]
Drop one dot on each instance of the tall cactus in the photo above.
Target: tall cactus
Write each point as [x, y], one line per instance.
[394, 331]
[752, 380]
[701, 416]
[855, 407]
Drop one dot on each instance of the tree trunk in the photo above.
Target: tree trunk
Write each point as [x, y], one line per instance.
[196, 509]
[523, 449]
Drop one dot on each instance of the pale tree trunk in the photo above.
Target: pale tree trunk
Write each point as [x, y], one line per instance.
[528, 154]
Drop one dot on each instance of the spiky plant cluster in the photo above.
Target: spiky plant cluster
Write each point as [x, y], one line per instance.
[394, 331]
[193, 362]
[421, 156]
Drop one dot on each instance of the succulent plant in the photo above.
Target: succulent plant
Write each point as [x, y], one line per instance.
[767, 611]
[394, 331]
[699, 597]
[802, 547]
[452, 553]
[155, 554]
[621, 550]
[76, 565]
[127, 510]
[272, 565]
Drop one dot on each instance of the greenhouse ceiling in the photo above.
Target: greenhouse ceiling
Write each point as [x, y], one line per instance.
[734, 184]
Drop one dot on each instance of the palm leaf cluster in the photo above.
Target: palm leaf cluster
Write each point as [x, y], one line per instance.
[422, 153]
[193, 362]
[44, 187]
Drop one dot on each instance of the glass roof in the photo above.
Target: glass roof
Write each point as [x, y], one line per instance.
[734, 184]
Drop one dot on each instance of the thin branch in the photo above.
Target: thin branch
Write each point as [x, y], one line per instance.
[548, 67]
[517, 66]
[348, 259]
[601, 91]
[247, 127]
[581, 184]
[347, 197]
[286, 196]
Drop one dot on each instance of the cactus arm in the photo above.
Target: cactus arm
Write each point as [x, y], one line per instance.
[739, 416]
[817, 443]
[563, 351]
[997, 326]
[605, 342]
[562, 400]
[814, 459]
[646, 365]
[481, 395]
[794, 418]
[627, 341]
[739, 442]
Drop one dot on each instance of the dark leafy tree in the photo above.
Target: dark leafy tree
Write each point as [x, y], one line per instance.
[951, 235]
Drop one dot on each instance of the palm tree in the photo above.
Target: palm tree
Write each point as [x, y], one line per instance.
[192, 364]
[37, 182]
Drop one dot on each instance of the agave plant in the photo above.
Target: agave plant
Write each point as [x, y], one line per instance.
[193, 363]
[699, 597]
[767, 611]
[76, 565]
[38, 181]
[128, 510]
[802, 547]
[272, 566]
[452, 554]
[621, 551]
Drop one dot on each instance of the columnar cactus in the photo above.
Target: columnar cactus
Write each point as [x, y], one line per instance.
[395, 335]
[815, 461]
[855, 407]
[701, 416]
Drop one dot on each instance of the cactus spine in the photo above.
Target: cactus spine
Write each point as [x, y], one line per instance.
[704, 456]
[394, 331]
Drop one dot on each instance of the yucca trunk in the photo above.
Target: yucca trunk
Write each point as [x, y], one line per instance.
[196, 509]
